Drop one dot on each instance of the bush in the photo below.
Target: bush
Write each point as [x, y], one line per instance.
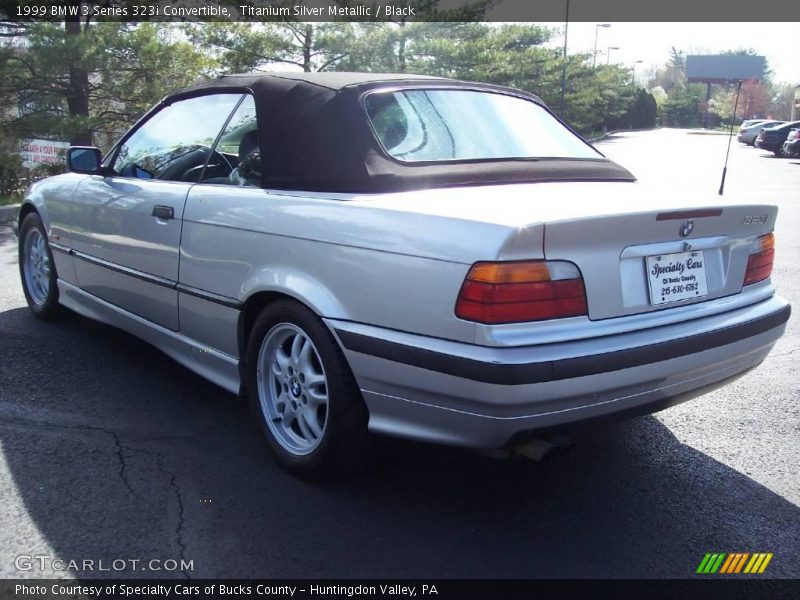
[15, 178]
[684, 107]
[641, 114]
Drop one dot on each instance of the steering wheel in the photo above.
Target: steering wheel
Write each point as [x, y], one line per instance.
[193, 174]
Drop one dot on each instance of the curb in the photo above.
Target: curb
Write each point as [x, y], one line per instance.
[599, 138]
[9, 212]
[608, 133]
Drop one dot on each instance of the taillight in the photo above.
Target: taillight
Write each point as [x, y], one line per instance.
[518, 291]
[762, 255]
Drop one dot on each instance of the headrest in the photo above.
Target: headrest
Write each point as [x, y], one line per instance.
[248, 144]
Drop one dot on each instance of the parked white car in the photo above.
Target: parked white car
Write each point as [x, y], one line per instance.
[390, 254]
[791, 147]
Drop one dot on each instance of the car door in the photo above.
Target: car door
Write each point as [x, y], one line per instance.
[127, 226]
[212, 261]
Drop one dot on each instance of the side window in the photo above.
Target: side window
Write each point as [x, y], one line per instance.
[239, 150]
[173, 144]
[397, 122]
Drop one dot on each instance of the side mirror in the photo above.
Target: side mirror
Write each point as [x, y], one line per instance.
[84, 159]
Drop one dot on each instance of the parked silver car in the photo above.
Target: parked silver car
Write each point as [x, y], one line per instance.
[749, 131]
[419, 257]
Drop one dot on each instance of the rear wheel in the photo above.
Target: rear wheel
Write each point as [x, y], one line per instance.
[36, 268]
[304, 396]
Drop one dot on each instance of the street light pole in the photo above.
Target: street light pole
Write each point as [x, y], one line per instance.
[596, 30]
[564, 67]
[608, 53]
[636, 62]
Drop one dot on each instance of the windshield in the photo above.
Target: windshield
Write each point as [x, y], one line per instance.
[440, 125]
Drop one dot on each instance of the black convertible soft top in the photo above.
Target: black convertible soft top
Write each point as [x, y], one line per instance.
[316, 136]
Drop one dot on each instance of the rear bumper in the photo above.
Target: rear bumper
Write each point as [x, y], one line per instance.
[769, 145]
[477, 396]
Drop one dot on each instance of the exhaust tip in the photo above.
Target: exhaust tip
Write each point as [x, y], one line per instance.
[539, 449]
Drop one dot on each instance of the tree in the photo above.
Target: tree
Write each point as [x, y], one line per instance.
[659, 94]
[120, 69]
[641, 113]
[753, 102]
[513, 55]
[685, 106]
[780, 105]
[142, 64]
[341, 45]
[74, 79]
[45, 71]
[673, 74]
[474, 51]
[243, 47]
[677, 60]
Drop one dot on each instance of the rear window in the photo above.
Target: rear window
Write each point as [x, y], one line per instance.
[445, 125]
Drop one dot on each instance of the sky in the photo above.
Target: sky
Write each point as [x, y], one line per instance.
[650, 43]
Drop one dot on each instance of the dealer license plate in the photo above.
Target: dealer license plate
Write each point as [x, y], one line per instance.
[676, 277]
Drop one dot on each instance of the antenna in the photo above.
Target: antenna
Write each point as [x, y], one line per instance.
[730, 137]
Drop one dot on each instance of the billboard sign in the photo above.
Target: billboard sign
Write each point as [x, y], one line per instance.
[42, 152]
[724, 68]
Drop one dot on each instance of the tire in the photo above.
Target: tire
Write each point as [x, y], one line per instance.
[37, 270]
[304, 397]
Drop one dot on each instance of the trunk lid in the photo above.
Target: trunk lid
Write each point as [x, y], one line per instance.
[608, 229]
[648, 260]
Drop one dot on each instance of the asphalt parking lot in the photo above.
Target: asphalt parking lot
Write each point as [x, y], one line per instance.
[110, 450]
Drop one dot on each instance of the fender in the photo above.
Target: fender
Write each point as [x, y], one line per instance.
[298, 285]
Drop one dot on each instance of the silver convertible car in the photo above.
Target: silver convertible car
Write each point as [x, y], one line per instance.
[431, 259]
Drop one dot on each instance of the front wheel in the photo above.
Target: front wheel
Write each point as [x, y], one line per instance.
[304, 396]
[36, 268]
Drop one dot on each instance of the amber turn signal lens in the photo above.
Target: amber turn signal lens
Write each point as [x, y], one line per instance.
[767, 242]
[514, 272]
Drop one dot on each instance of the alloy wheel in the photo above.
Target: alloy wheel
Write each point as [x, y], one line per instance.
[292, 389]
[36, 266]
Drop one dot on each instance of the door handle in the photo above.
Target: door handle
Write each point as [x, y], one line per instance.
[163, 212]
